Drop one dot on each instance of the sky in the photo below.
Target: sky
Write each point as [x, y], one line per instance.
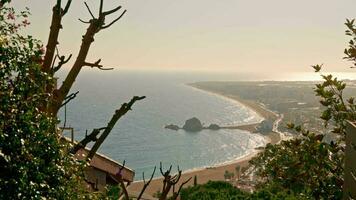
[267, 36]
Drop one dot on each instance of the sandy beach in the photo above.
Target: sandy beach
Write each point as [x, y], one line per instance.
[216, 173]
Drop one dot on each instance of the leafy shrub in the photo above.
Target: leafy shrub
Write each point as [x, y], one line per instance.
[212, 190]
[33, 162]
[218, 190]
[308, 163]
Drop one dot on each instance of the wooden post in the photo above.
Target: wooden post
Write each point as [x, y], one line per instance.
[71, 132]
[350, 162]
[72, 135]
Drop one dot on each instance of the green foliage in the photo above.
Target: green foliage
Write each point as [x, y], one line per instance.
[228, 175]
[275, 192]
[337, 110]
[217, 190]
[33, 162]
[350, 52]
[303, 164]
[307, 164]
[111, 193]
[158, 194]
[212, 190]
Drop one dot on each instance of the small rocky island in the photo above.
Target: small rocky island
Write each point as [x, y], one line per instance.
[172, 127]
[214, 127]
[192, 125]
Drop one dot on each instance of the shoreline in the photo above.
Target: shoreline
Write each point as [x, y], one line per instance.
[228, 98]
[216, 172]
[259, 109]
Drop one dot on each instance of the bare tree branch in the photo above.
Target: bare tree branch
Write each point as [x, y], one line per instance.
[101, 7]
[112, 11]
[107, 26]
[122, 183]
[57, 15]
[85, 22]
[60, 94]
[92, 137]
[161, 169]
[58, 5]
[118, 114]
[66, 8]
[62, 61]
[70, 98]
[54, 61]
[145, 184]
[86, 5]
[176, 177]
[169, 181]
[95, 25]
[97, 64]
[176, 194]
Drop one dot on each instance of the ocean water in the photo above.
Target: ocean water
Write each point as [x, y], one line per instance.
[140, 138]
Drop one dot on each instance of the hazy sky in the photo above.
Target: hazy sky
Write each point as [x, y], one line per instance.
[239, 35]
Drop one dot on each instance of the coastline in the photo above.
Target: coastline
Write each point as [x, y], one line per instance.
[252, 105]
[259, 109]
[216, 172]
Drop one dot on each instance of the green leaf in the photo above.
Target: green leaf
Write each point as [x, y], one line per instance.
[317, 68]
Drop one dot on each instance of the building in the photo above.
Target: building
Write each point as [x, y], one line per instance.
[103, 171]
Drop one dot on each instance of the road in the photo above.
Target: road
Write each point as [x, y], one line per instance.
[283, 135]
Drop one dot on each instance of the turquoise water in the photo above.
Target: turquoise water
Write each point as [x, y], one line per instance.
[139, 137]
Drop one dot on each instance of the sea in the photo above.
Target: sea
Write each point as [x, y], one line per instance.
[140, 138]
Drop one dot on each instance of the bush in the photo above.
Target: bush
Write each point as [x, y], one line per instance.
[308, 163]
[33, 162]
[218, 190]
[303, 164]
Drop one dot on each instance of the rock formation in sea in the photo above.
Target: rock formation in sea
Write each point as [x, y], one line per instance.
[214, 127]
[172, 127]
[193, 125]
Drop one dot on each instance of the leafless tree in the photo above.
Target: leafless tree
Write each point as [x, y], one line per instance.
[170, 181]
[53, 61]
[146, 184]
[95, 25]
